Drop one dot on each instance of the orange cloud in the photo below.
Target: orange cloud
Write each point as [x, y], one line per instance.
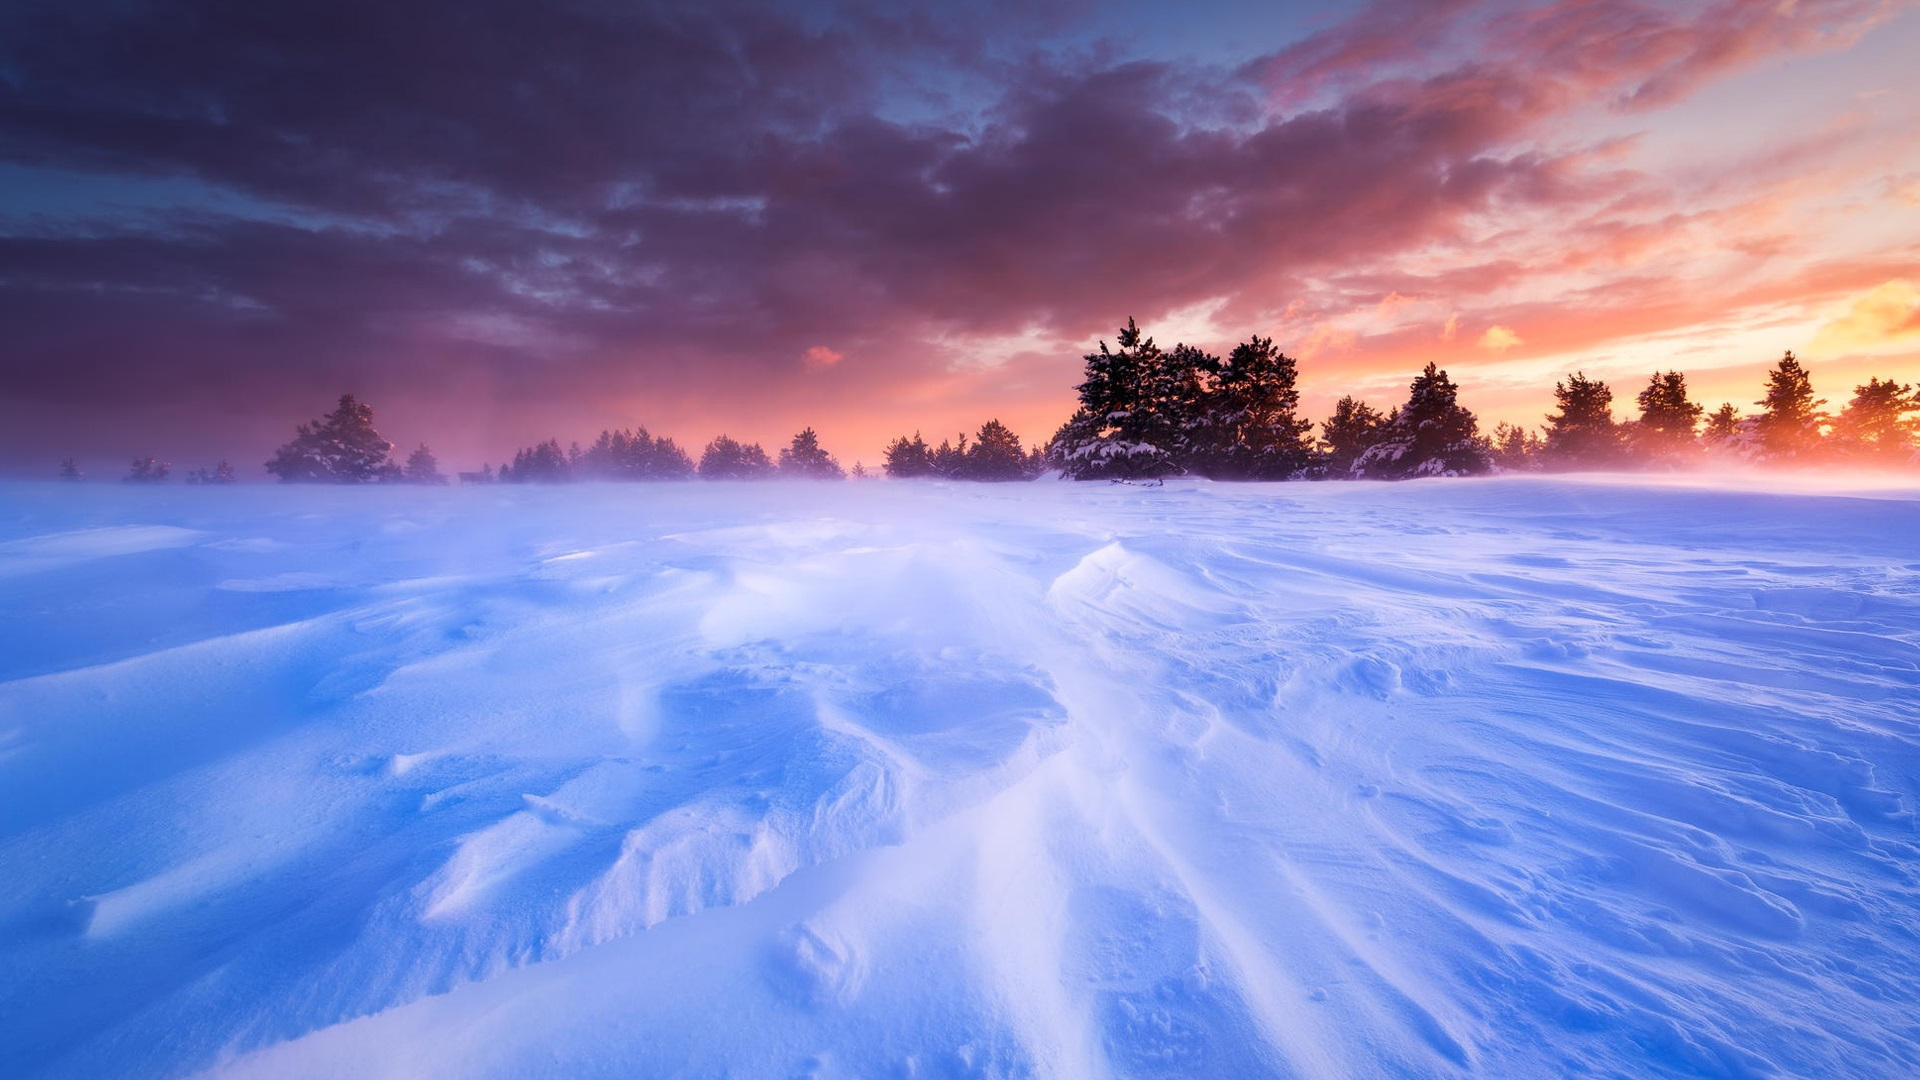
[1889, 313]
[1500, 338]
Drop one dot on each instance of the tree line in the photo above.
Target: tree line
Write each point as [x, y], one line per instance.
[1146, 413]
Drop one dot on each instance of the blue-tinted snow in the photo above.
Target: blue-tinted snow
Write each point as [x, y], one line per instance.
[1460, 778]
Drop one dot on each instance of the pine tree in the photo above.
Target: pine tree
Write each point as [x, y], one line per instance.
[1117, 433]
[1431, 435]
[909, 458]
[1875, 425]
[1515, 449]
[806, 460]
[949, 462]
[70, 472]
[341, 447]
[146, 470]
[726, 459]
[1344, 436]
[422, 467]
[996, 455]
[1582, 435]
[1668, 418]
[1788, 425]
[542, 463]
[1723, 426]
[1246, 425]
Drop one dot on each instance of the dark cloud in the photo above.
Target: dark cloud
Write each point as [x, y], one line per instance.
[559, 205]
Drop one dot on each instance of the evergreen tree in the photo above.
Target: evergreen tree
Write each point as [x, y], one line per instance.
[1515, 449]
[1431, 435]
[1582, 435]
[1665, 431]
[1117, 433]
[726, 459]
[1247, 425]
[1788, 425]
[70, 472]
[996, 455]
[908, 458]
[948, 461]
[1723, 426]
[1875, 425]
[145, 470]
[341, 447]
[1344, 436]
[422, 467]
[542, 463]
[219, 474]
[1179, 385]
[806, 460]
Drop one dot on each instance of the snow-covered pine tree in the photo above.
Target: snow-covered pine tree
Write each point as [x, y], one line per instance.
[1875, 427]
[1787, 427]
[1582, 435]
[1112, 435]
[1431, 435]
[341, 447]
[804, 459]
[1664, 434]
[1247, 425]
[996, 455]
[1349, 432]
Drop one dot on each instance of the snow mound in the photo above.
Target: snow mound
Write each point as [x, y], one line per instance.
[1515, 777]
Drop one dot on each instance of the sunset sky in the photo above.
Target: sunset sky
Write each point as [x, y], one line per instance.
[500, 222]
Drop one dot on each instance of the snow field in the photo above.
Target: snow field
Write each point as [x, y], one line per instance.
[1460, 778]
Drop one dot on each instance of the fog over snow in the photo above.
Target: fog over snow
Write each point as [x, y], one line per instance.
[1501, 778]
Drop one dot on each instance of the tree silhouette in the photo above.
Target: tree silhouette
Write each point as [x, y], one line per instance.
[1788, 425]
[1875, 425]
[1246, 425]
[1431, 435]
[1665, 430]
[996, 455]
[726, 459]
[804, 459]
[1116, 433]
[908, 458]
[422, 467]
[1344, 436]
[146, 470]
[341, 447]
[1582, 435]
[1515, 449]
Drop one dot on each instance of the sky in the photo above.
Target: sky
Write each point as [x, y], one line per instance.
[499, 222]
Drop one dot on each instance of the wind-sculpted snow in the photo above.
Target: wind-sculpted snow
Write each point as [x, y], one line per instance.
[1463, 778]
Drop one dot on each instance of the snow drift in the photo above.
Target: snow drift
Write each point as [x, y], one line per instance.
[1501, 778]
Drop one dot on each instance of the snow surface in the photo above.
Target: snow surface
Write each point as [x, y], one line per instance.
[1514, 777]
